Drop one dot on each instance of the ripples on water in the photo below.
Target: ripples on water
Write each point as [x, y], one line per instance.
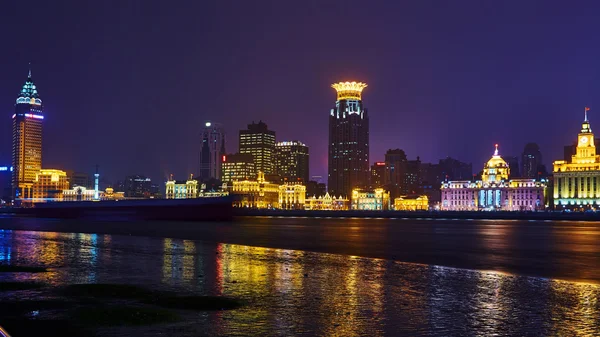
[293, 293]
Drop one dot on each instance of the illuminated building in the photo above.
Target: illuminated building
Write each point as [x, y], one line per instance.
[291, 161]
[292, 196]
[259, 141]
[179, 189]
[411, 203]
[237, 167]
[212, 192]
[348, 162]
[137, 186]
[370, 200]
[577, 181]
[378, 174]
[212, 151]
[326, 203]
[255, 193]
[49, 184]
[27, 140]
[531, 161]
[495, 191]
[110, 194]
[81, 193]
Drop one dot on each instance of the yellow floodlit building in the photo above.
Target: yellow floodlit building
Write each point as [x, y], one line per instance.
[292, 196]
[371, 200]
[49, 184]
[255, 193]
[577, 182]
[326, 203]
[411, 203]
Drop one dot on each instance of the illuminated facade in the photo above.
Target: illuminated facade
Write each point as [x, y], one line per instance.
[259, 141]
[81, 193]
[237, 167]
[326, 203]
[577, 182]
[26, 140]
[49, 184]
[495, 191]
[212, 151]
[292, 196]
[348, 162]
[291, 161]
[412, 203]
[371, 200]
[255, 193]
[178, 189]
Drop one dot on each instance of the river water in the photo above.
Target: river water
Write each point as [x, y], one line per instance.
[335, 277]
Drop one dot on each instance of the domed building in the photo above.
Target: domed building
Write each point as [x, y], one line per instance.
[495, 191]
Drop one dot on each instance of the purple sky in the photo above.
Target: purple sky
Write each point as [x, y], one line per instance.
[128, 84]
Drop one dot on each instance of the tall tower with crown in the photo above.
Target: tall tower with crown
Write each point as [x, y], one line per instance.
[26, 139]
[348, 164]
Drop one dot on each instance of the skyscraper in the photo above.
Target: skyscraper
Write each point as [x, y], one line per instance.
[27, 140]
[259, 141]
[531, 161]
[212, 151]
[348, 165]
[291, 161]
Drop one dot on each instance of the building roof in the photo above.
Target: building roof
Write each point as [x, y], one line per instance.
[29, 93]
[496, 160]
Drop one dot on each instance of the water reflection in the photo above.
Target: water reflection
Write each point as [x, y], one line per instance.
[291, 292]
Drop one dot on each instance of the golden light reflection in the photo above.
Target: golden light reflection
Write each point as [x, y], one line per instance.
[189, 250]
[167, 260]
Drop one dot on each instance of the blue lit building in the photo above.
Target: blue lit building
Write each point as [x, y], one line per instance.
[27, 140]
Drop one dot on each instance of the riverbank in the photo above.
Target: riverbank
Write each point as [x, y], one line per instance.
[417, 215]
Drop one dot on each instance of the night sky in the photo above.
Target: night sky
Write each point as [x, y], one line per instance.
[128, 84]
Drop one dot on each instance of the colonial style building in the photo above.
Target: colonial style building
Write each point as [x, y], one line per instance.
[49, 184]
[411, 203]
[495, 191]
[577, 181]
[370, 200]
[257, 193]
[292, 196]
[179, 189]
[326, 203]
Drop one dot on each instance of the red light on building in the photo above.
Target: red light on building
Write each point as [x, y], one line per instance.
[380, 163]
[224, 158]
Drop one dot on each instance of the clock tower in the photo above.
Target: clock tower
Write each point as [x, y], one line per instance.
[586, 149]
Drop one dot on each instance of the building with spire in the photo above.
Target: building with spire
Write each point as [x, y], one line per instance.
[348, 162]
[212, 151]
[495, 190]
[577, 181]
[26, 140]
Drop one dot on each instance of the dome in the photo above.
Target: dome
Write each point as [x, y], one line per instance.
[496, 169]
[496, 160]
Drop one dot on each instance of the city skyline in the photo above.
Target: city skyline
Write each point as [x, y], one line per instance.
[122, 102]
